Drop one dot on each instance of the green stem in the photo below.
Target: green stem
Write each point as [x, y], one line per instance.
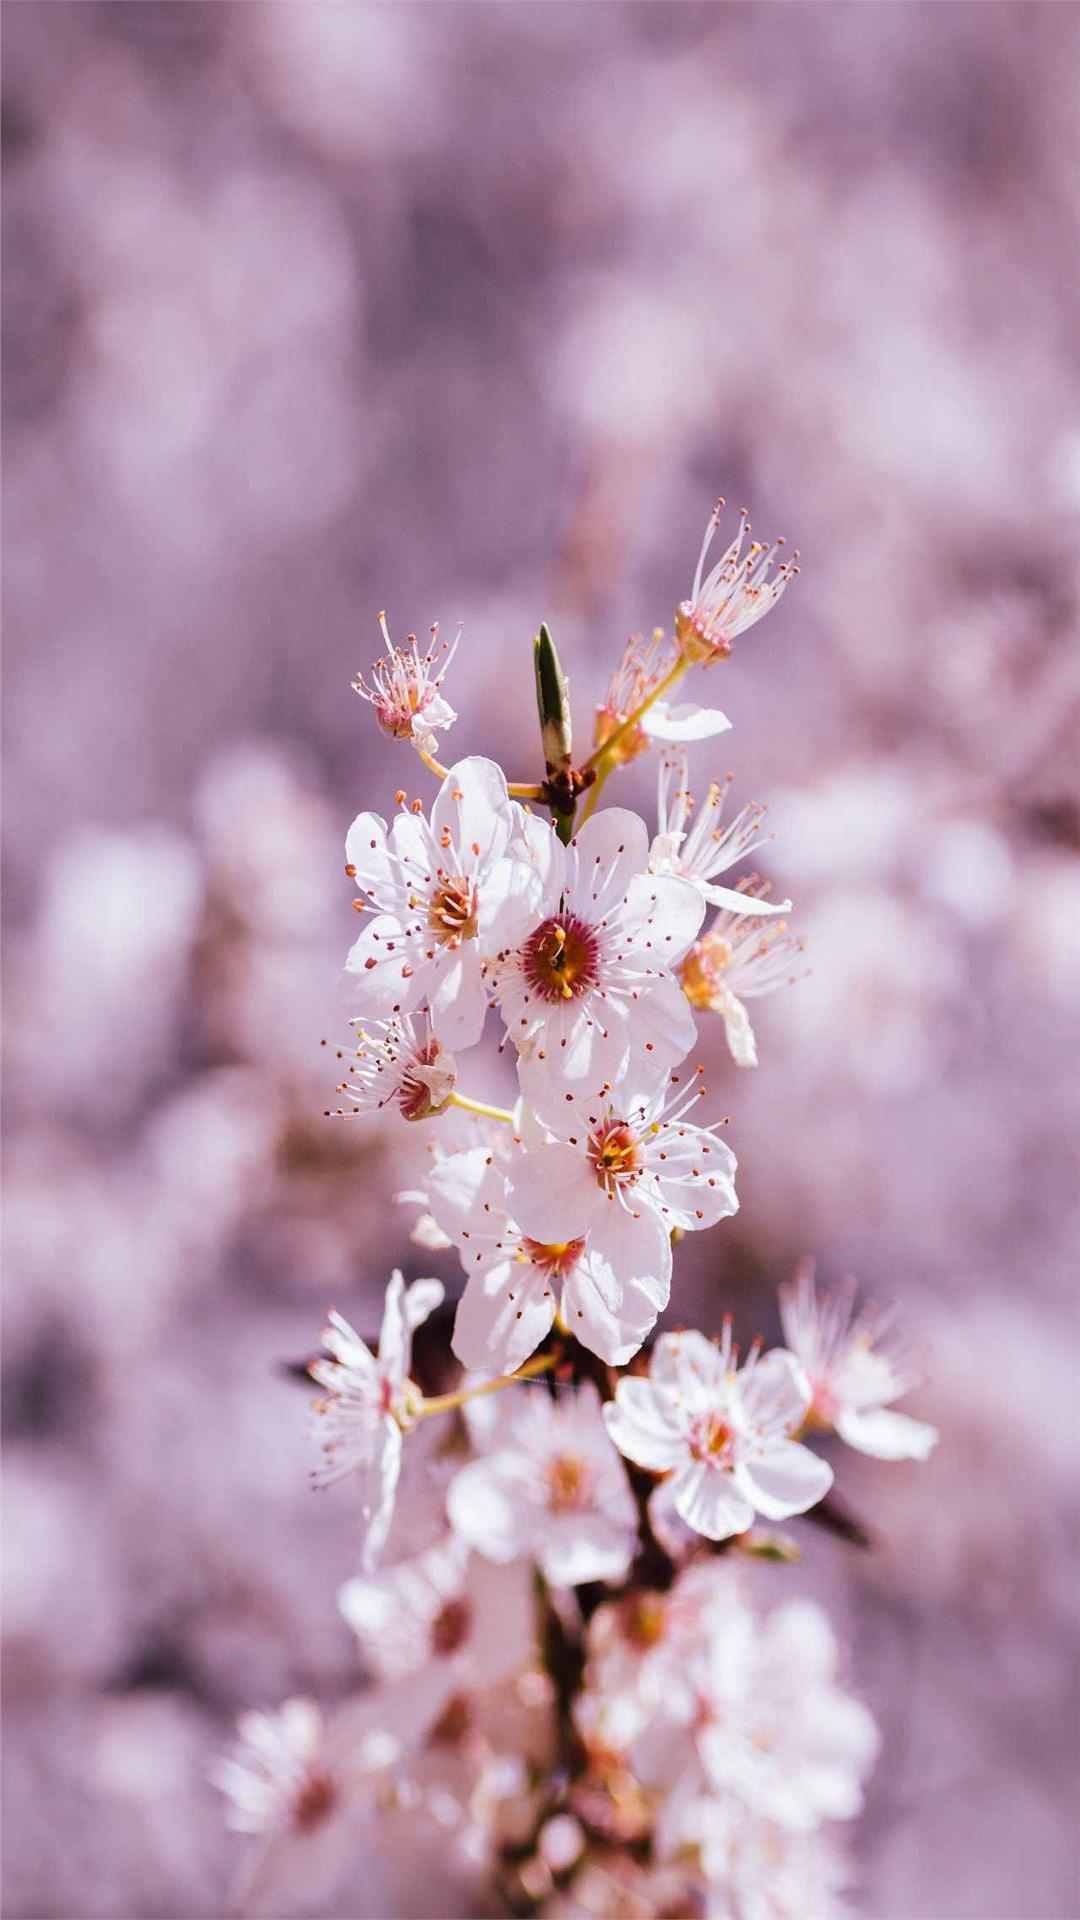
[446, 1402]
[599, 754]
[481, 1107]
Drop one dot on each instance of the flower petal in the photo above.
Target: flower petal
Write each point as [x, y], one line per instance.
[552, 1194]
[710, 1502]
[787, 1479]
[641, 1423]
[473, 807]
[887, 1435]
[684, 721]
[458, 1002]
[611, 848]
[502, 1316]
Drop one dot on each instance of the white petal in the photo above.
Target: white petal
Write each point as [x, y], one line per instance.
[458, 1003]
[552, 1194]
[467, 1193]
[736, 902]
[395, 1334]
[421, 1300]
[706, 1498]
[611, 848]
[661, 1030]
[693, 1175]
[669, 1528]
[377, 957]
[473, 806]
[685, 721]
[619, 1286]
[788, 1479]
[887, 1435]
[488, 1506]
[661, 918]
[502, 1316]
[587, 1546]
[775, 1391]
[689, 1365]
[379, 1509]
[737, 1030]
[378, 875]
[510, 904]
[641, 1423]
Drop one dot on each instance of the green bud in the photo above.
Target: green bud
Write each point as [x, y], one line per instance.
[553, 703]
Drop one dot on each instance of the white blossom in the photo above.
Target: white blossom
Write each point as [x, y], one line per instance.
[589, 995]
[370, 1401]
[442, 1618]
[732, 596]
[607, 1285]
[760, 1720]
[442, 895]
[639, 1162]
[722, 1433]
[699, 852]
[856, 1367]
[553, 1487]
[406, 689]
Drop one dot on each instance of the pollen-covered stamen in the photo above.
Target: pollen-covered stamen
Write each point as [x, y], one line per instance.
[452, 912]
[554, 1258]
[644, 664]
[567, 1483]
[561, 960]
[614, 1154]
[733, 596]
[712, 1439]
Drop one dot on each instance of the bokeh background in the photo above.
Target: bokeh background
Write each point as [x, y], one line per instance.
[468, 312]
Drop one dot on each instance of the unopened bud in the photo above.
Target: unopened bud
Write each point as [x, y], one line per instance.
[553, 703]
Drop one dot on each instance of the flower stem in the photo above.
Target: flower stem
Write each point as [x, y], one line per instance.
[670, 678]
[446, 1402]
[481, 1107]
[433, 765]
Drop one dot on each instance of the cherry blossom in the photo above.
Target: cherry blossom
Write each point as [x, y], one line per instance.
[738, 959]
[370, 1402]
[761, 1720]
[444, 1618]
[589, 994]
[607, 1285]
[721, 1431]
[734, 595]
[396, 1062]
[406, 689]
[442, 895]
[638, 1158]
[856, 1367]
[705, 849]
[553, 1487]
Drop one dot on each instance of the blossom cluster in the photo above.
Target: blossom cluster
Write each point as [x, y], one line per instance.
[570, 1584]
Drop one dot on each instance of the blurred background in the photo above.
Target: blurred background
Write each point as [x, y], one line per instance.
[469, 312]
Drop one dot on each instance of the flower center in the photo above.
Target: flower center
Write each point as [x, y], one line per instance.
[614, 1155]
[556, 1258]
[316, 1798]
[562, 958]
[644, 1619]
[452, 912]
[713, 1440]
[450, 1627]
[567, 1480]
[701, 973]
